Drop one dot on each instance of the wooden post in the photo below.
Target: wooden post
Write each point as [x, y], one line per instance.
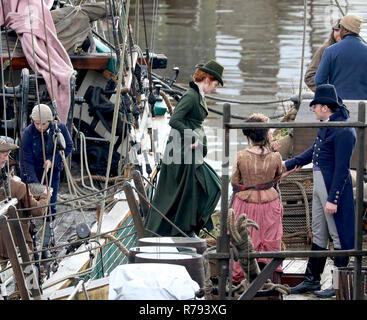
[143, 199]
[12, 253]
[260, 280]
[28, 269]
[358, 279]
[223, 238]
[139, 226]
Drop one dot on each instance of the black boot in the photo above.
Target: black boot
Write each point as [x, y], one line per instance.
[314, 269]
[339, 262]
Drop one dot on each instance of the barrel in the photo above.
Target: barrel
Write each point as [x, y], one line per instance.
[198, 243]
[158, 249]
[193, 262]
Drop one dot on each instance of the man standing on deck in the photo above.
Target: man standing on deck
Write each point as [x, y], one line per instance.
[56, 138]
[332, 199]
[344, 64]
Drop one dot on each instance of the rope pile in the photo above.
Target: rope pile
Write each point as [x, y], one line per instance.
[242, 243]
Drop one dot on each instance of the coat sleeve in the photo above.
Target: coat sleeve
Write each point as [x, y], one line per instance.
[68, 147]
[27, 149]
[301, 160]
[344, 143]
[322, 74]
[312, 68]
[19, 191]
[68, 139]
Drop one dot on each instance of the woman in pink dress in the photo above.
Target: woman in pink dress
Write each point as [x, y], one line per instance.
[256, 166]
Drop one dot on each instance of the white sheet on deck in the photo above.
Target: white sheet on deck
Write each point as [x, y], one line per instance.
[164, 282]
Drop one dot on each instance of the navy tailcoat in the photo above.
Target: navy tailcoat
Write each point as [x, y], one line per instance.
[331, 152]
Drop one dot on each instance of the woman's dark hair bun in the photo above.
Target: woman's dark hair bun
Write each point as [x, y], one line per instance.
[256, 135]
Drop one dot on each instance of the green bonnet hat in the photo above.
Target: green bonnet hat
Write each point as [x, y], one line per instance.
[213, 68]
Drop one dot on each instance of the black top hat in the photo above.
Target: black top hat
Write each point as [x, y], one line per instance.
[326, 94]
[213, 68]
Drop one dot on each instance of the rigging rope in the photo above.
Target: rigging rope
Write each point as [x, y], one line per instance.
[224, 99]
[117, 104]
[340, 8]
[47, 52]
[303, 50]
[4, 106]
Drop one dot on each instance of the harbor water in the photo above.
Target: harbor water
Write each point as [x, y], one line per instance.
[259, 43]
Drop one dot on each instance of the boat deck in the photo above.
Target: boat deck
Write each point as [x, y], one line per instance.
[296, 268]
[112, 220]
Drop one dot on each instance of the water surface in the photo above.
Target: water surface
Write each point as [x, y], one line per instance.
[259, 43]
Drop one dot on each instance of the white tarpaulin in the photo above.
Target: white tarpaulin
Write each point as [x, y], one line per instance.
[151, 281]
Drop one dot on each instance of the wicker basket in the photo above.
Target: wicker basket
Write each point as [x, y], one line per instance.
[296, 194]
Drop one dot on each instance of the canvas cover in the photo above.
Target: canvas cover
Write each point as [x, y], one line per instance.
[73, 24]
[165, 282]
[33, 24]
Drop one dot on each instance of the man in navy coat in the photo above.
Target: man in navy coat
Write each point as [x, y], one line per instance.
[333, 200]
[344, 64]
[34, 165]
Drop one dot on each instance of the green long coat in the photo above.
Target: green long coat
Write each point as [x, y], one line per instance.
[188, 188]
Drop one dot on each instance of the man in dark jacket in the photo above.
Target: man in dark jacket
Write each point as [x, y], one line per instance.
[34, 147]
[344, 64]
[333, 200]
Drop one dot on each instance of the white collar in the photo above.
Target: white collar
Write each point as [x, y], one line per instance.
[200, 90]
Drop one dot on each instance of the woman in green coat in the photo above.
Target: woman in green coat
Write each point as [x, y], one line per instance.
[188, 188]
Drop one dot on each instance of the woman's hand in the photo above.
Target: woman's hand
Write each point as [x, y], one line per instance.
[286, 172]
[275, 146]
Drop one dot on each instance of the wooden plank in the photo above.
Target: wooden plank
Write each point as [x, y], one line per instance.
[256, 285]
[96, 61]
[90, 61]
[73, 264]
[29, 270]
[13, 257]
[97, 290]
[294, 266]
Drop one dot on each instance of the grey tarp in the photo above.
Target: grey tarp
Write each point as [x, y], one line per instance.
[73, 24]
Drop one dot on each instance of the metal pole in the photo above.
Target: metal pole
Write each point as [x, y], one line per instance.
[358, 281]
[139, 226]
[223, 238]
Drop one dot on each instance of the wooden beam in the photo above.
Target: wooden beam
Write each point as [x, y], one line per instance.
[12, 253]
